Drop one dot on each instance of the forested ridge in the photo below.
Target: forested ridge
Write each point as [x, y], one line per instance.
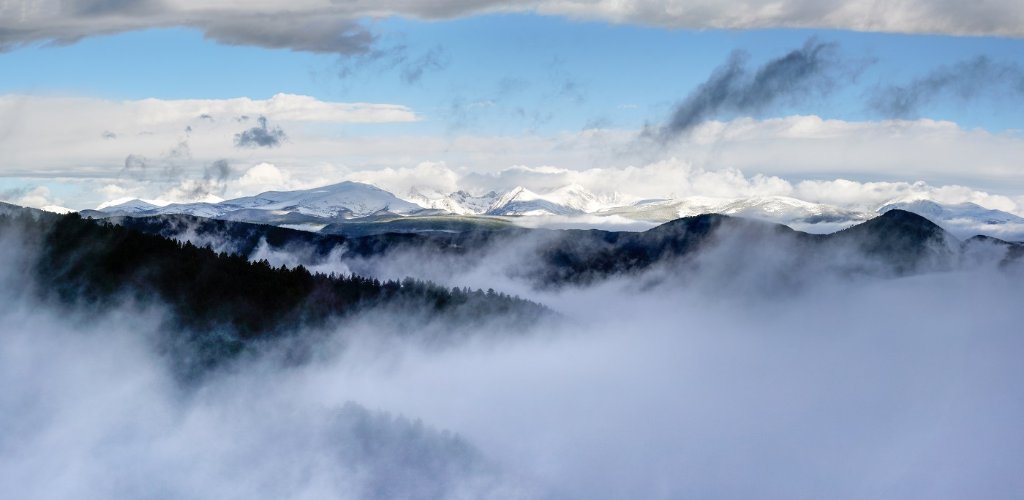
[893, 244]
[81, 262]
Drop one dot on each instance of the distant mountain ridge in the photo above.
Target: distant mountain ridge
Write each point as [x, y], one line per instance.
[346, 202]
[893, 244]
[342, 200]
[965, 219]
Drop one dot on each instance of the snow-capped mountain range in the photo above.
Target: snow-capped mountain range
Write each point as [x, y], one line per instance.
[459, 202]
[352, 200]
[344, 200]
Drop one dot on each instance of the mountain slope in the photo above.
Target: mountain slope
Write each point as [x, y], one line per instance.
[787, 210]
[816, 217]
[217, 303]
[130, 207]
[939, 212]
[965, 219]
[337, 201]
[522, 201]
[351, 202]
[905, 241]
[458, 203]
[348, 199]
[894, 244]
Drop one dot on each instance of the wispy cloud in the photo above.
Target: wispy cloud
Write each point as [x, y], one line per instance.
[411, 64]
[733, 88]
[969, 80]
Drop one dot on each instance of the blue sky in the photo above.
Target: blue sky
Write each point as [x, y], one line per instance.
[507, 98]
[508, 72]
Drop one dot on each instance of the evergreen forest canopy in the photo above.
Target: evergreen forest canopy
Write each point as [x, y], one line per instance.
[216, 303]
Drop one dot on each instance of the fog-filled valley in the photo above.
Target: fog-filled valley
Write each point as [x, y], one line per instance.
[479, 249]
[708, 357]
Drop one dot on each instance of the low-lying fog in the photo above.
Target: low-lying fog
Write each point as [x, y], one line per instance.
[866, 388]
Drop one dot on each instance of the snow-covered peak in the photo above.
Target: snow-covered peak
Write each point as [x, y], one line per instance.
[964, 219]
[797, 213]
[345, 198]
[198, 209]
[774, 205]
[522, 201]
[459, 202]
[572, 199]
[57, 209]
[517, 193]
[467, 203]
[696, 205]
[969, 211]
[127, 206]
[580, 198]
[788, 210]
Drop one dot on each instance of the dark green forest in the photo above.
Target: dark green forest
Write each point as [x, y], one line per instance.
[221, 301]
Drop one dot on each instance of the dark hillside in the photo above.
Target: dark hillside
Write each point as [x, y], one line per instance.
[893, 244]
[222, 300]
[901, 241]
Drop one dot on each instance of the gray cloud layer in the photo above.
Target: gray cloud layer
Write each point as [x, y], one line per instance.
[306, 30]
[306, 33]
[330, 27]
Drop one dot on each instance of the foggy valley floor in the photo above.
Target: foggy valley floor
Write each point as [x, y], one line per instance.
[735, 372]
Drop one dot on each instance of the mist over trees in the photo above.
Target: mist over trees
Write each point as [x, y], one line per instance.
[218, 302]
[897, 243]
[799, 363]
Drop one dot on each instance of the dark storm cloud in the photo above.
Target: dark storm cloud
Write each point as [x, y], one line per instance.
[733, 88]
[968, 80]
[263, 135]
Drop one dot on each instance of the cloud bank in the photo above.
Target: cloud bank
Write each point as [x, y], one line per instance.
[158, 145]
[324, 26]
